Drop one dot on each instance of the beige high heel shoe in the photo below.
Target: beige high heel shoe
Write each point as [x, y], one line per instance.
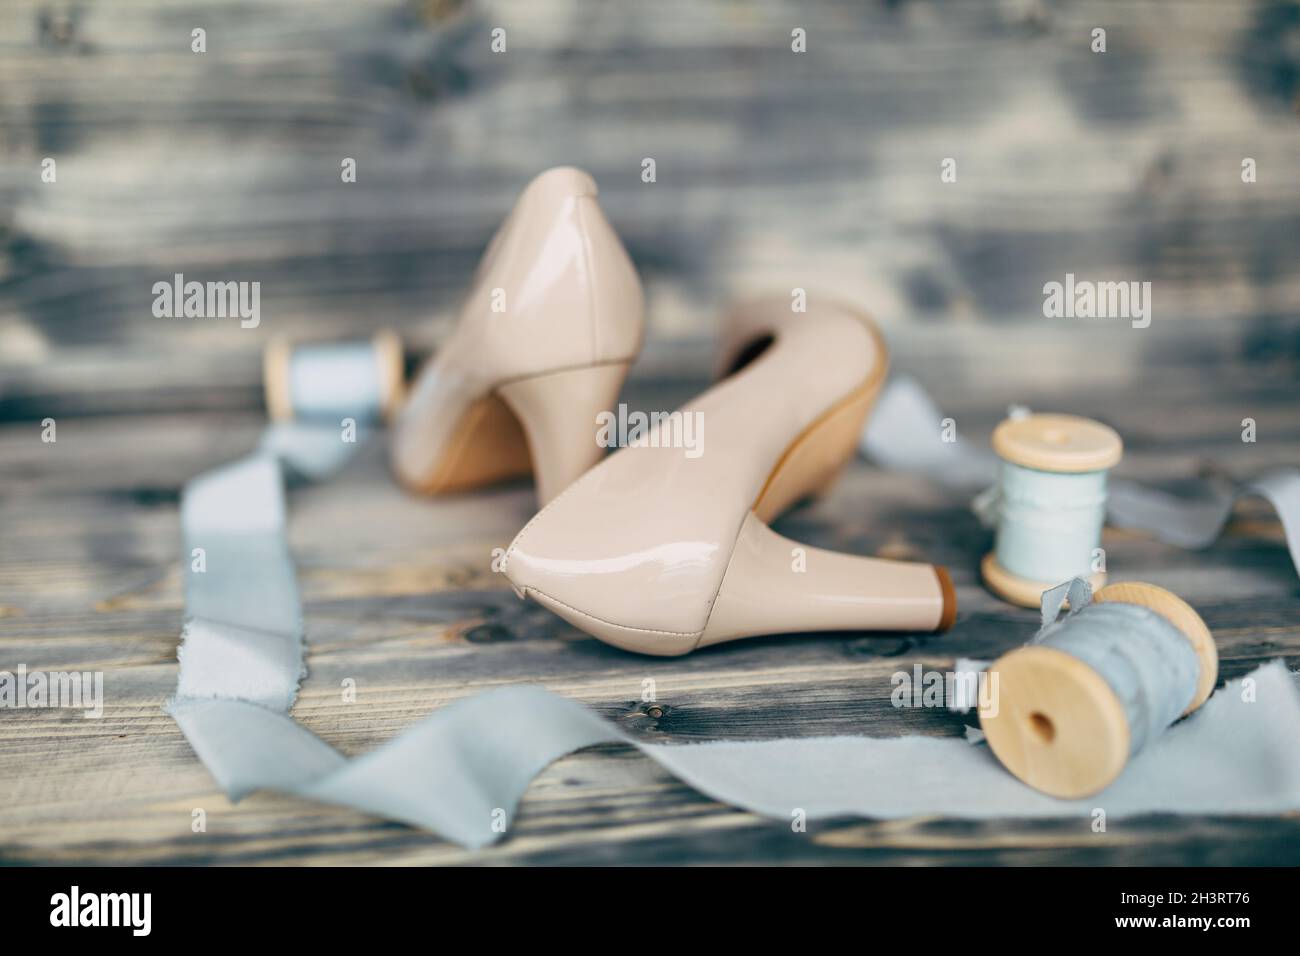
[550, 324]
[663, 549]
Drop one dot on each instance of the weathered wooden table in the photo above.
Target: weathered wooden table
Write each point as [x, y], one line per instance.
[400, 598]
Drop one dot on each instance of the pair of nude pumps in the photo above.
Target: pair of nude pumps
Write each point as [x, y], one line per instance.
[656, 548]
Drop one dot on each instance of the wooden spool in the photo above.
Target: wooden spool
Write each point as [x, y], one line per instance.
[387, 346]
[1061, 444]
[1058, 725]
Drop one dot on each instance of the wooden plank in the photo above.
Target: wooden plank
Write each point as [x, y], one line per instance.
[777, 170]
[400, 598]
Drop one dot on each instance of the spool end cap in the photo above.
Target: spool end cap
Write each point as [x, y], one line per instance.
[1019, 591]
[1058, 443]
[1054, 723]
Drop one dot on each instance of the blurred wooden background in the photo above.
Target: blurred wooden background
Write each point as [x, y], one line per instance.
[775, 170]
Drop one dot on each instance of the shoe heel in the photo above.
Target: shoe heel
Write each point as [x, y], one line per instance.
[558, 412]
[812, 464]
[774, 585]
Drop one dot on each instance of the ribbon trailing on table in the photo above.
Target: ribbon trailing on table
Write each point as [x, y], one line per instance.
[462, 771]
[903, 435]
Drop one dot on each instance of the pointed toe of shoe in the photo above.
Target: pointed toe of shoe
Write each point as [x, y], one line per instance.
[615, 594]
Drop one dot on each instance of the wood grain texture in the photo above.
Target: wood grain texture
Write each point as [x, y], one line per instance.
[401, 599]
[775, 170]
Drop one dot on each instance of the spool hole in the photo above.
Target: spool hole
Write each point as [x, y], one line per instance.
[1041, 726]
[1055, 436]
